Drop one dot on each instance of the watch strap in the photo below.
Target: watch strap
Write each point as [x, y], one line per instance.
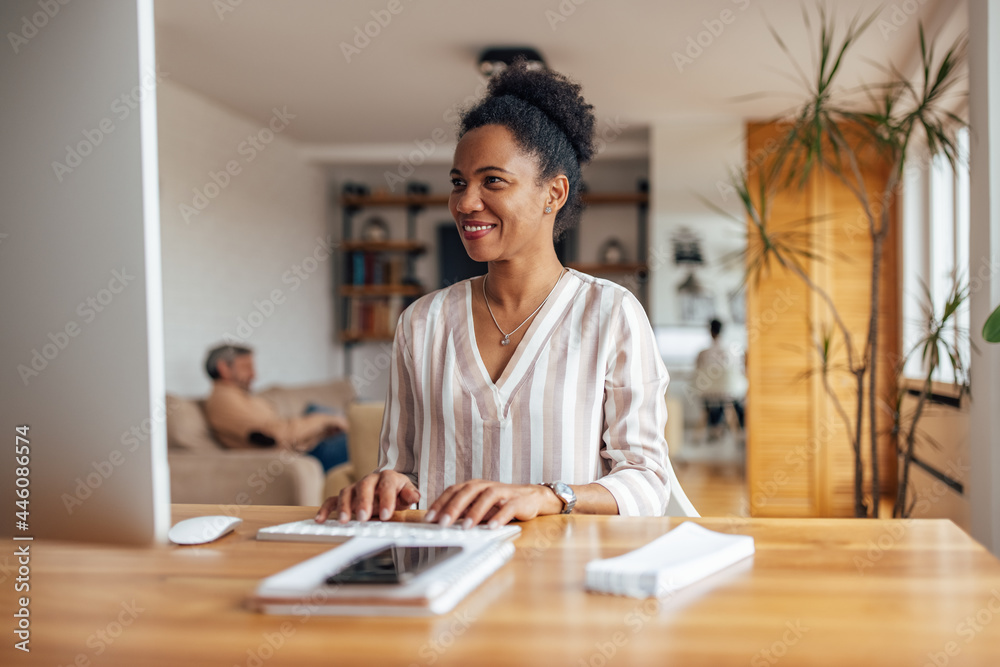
[564, 493]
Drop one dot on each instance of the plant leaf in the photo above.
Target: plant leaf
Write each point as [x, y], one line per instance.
[991, 330]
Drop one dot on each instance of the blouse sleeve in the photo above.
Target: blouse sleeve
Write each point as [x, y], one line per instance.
[399, 418]
[635, 416]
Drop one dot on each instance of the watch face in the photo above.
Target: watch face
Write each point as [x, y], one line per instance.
[566, 495]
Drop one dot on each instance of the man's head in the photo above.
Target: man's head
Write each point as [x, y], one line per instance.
[715, 326]
[232, 364]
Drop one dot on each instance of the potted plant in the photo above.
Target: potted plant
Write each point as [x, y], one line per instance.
[827, 132]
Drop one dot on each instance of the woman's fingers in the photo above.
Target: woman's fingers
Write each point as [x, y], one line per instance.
[394, 489]
[364, 496]
[329, 506]
[346, 497]
[471, 502]
[502, 503]
[467, 504]
[491, 512]
[505, 514]
[435, 511]
[410, 494]
[458, 506]
[377, 491]
[488, 498]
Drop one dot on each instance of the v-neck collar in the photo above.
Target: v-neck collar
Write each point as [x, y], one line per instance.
[530, 345]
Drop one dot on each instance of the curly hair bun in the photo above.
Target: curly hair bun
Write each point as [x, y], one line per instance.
[556, 96]
[549, 119]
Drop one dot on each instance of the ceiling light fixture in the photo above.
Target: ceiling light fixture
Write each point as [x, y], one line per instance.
[495, 59]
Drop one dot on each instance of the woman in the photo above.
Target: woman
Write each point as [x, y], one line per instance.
[534, 389]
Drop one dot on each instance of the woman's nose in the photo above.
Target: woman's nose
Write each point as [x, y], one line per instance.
[469, 201]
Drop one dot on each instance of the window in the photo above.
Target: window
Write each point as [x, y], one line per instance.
[935, 251]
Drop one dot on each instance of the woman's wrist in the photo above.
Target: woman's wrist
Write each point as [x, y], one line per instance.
[594, 498]
[550, 503]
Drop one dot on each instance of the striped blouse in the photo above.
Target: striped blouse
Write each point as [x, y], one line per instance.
[581, 400]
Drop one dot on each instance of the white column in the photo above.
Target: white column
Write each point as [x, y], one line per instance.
[984, 257]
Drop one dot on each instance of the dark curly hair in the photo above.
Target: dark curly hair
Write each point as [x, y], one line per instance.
[550, 120]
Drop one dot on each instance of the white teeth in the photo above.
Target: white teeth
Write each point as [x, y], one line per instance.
[473, 228]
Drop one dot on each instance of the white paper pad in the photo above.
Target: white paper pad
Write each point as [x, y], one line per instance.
[683, 556]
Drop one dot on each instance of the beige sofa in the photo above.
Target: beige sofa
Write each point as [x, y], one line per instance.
[203, 471]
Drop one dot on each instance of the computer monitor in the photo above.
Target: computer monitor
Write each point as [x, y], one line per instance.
[82, 379]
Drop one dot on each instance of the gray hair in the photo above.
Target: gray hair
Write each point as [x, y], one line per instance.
[226, 353]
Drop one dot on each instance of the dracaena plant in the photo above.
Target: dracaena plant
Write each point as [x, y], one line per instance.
[828, 133]
[941, 338]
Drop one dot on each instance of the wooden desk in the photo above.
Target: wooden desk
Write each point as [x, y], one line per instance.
[818, 592]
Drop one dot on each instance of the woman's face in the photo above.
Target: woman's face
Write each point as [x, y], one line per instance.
[496, 199]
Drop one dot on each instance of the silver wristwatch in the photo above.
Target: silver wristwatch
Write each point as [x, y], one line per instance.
[565, 493]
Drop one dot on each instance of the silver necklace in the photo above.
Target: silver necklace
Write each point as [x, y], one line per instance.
[506, 336]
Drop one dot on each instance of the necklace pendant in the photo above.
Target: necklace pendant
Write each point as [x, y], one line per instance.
[505, 341]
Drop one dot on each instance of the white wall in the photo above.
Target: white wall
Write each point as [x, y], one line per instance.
[690, 160]
[223, 263]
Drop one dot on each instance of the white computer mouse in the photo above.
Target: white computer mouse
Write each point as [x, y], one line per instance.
[202, 529]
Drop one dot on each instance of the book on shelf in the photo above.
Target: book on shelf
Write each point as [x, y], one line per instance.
[374, 268]
[434, 591]
[394, 271]
[374, 315]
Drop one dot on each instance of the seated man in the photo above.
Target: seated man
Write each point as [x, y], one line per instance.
[241, 420]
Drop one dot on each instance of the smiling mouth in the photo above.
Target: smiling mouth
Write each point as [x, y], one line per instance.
[477, 228]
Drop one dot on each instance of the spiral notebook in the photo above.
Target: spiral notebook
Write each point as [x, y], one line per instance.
[303, 588]
[686, 554]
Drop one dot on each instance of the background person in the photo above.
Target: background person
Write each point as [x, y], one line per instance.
[721, 381]
[241, 420]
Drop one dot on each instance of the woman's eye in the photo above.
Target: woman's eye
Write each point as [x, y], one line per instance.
[493, 180]
[457, 182]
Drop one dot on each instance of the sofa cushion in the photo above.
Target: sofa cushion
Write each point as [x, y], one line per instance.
[365, 423]
[187, 427]
[292, 401]
[260, 477]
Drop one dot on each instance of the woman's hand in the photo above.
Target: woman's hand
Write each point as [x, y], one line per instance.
[477, 501]
[376, 495]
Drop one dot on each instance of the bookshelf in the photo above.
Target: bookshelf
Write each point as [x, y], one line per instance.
[377, 279]
[636, 273]
[377, 286]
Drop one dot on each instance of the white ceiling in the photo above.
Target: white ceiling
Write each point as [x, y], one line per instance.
[266, 54]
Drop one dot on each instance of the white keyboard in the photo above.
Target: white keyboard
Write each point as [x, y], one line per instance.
[308, 530]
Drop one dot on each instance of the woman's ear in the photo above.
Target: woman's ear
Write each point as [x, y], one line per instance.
[558, 192]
